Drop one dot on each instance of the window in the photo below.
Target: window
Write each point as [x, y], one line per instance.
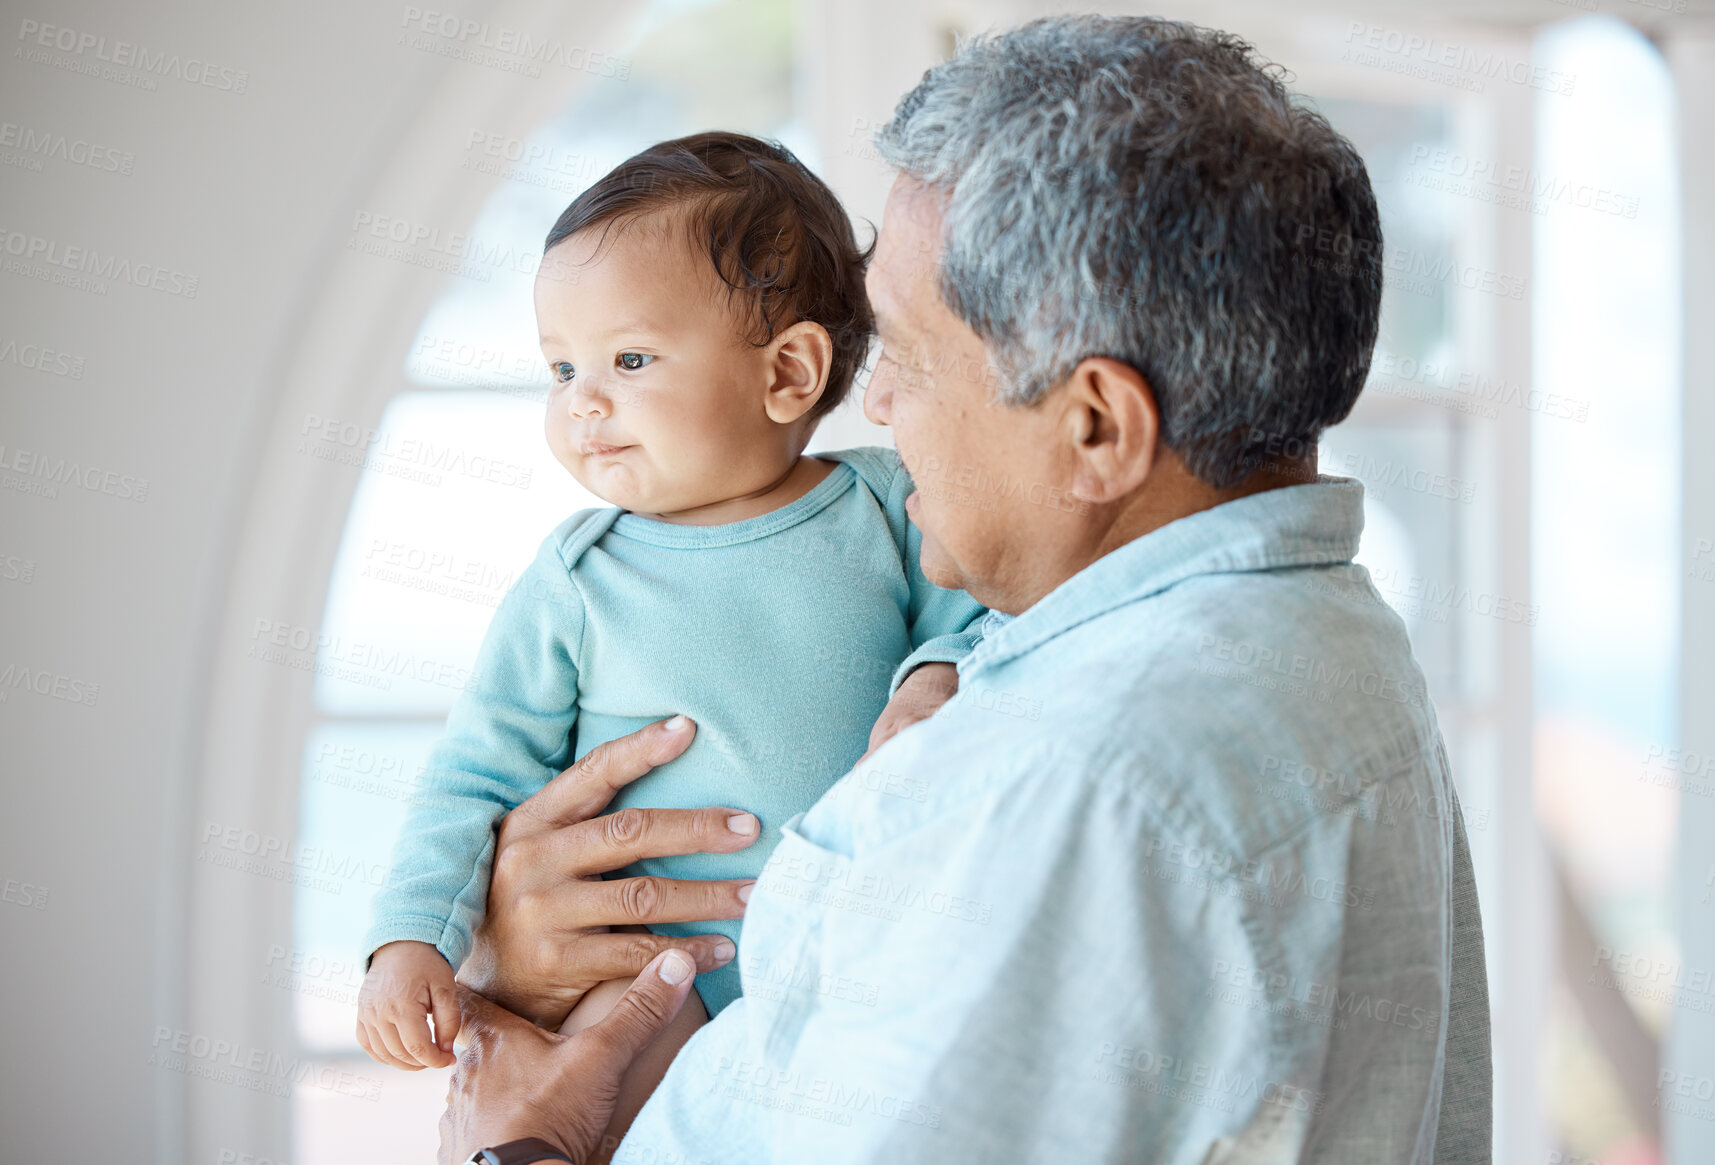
[1605, 569]
[458, 492]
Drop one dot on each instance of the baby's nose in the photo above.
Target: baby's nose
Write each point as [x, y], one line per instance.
[589, 401]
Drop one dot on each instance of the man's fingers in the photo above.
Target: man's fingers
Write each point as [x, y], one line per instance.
[574, 906]
[615, 840]
[621, 956]
[584, 790]
[648, 900]
[444, 1155]
[652, 1000]
[479, 1018]
[476, 1014]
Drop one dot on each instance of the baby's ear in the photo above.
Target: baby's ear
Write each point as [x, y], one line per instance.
[798, 362]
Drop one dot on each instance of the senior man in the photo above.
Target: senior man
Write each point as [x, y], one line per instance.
[1179, 874]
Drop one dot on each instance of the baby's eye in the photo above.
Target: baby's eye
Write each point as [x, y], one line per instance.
[632, 361]
[563, 372]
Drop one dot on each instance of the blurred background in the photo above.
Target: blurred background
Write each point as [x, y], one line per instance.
[270, 450]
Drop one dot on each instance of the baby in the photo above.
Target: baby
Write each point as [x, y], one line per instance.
[701, 309]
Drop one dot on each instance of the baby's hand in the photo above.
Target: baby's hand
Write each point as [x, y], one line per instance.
[408, 981]
[927, 687]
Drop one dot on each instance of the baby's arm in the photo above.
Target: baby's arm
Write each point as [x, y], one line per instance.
[408, 982]
[927, 687]
[646, 1071]
[509, 733]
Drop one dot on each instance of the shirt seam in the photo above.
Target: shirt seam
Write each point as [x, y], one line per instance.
[1008, 651]
[583, 600]
[679, 537]
[1109, 763]
[1159, 813]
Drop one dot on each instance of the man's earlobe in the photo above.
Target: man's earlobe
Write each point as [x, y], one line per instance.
[800, 359]
[1114, 424]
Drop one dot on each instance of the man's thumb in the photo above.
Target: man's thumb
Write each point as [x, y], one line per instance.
[651, 1002]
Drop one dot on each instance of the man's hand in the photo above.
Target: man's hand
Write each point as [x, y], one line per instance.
[927, 687]
[545, 939]
[515, 1080]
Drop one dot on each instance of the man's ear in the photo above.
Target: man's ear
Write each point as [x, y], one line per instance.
[798, 363]
[1111, 424]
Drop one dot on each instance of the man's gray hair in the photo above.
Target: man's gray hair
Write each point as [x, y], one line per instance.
[1147, 190]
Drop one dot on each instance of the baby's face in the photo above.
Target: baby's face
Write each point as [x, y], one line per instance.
[656, 400]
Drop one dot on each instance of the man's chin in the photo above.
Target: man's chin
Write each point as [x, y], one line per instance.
[937, 567]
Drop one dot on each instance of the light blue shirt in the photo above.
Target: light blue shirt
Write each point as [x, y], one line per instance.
[782, 636]
[1179, 877]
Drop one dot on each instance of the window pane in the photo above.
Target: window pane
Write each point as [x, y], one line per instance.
[696, 67]
[356, 780]
[1408, 473]
[1605, 566]
[459, 492]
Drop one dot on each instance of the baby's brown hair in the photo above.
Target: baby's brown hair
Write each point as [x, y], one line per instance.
[775, 233]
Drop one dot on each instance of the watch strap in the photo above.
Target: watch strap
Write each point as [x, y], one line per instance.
[520, 1152]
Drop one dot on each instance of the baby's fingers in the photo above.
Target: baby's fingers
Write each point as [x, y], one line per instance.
[369, 1035]
[394, 1041]
[363, 1042]
[421, 1050]
[446, 1006]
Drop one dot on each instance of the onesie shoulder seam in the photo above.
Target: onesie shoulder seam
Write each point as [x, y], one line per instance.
[570, 539]
[581, 531]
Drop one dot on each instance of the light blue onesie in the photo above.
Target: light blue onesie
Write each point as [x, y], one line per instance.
[782, 636]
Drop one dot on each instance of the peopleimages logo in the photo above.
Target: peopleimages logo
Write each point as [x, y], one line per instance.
[1415, 54]
[253, 1068]
[41, 358]
[41, 258]
[123, 54]
[37, 143]
[497, 45]
[40, 473]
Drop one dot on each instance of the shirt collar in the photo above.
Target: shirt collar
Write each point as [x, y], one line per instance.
[1299, 525]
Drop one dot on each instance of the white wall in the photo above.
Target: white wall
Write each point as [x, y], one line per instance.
[252, 193]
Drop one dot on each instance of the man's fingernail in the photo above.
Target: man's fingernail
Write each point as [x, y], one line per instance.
[676, 968]
[744, 891]
[742, 823]
[678, 723]
[724, 951]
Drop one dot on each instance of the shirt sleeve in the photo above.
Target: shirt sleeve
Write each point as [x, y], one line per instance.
[945, 624]
[509, 733]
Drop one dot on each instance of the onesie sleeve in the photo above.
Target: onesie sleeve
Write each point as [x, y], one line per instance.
[509, 733]
[945, 625]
